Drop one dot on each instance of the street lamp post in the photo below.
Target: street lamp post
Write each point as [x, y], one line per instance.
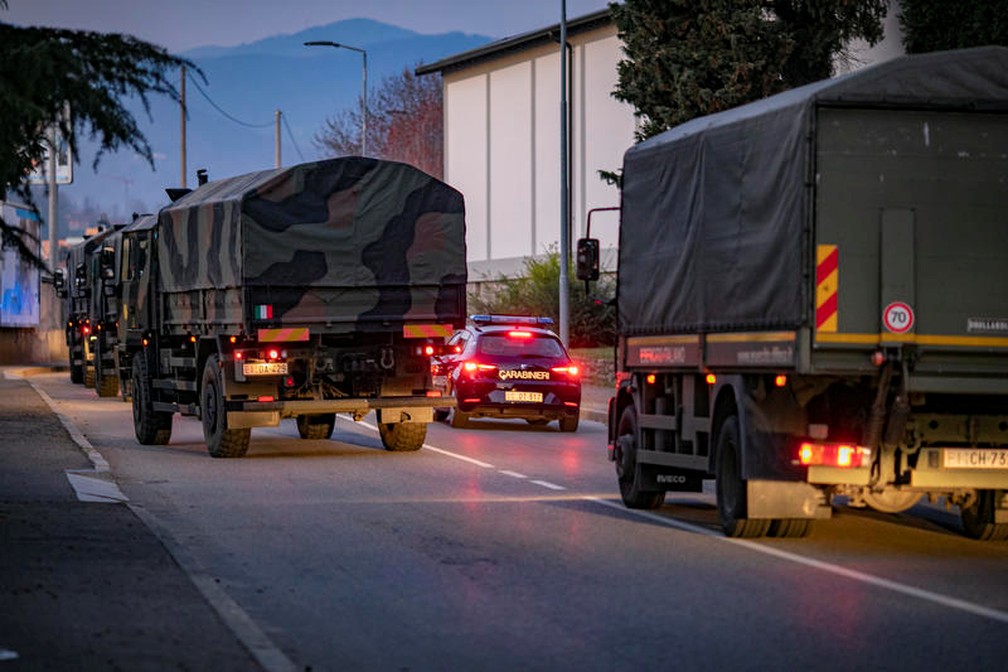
[364, 108]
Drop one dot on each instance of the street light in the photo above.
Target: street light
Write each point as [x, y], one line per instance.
[363, 53]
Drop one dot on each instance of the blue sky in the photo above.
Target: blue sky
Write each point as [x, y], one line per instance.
[179, 25]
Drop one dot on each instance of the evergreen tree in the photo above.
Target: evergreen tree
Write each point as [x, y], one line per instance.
[936, 25]
[44, 69]
[688, 58]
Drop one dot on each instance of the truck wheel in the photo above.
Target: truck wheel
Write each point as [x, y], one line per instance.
[569, 423]
[978, 519]
[221, 441]
[459, 418]
[402, 436]
[318, 426]
[731, 488]
[626, 466]
[105, 386]
[789, 527]
[76, 370]
[152, 428]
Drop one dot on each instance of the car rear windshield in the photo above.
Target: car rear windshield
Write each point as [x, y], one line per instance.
[535, 345]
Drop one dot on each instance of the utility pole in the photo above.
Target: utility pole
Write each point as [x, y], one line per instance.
[182, 108]
[564, 196]
[277, 138]
[53, 197]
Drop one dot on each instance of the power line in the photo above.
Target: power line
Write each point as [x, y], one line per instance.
[219, 109]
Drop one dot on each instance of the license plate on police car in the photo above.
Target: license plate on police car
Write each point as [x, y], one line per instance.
[975, 458]
[515, 395]
[264, 368]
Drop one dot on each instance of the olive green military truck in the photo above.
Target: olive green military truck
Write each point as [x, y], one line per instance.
[298, 292]
[813, 301]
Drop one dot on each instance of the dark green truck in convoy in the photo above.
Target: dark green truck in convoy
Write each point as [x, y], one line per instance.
[813, 301]
[299, 292]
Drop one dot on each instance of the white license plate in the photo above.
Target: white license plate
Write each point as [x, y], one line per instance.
[975, 458]
[264, 368]
[515, 395]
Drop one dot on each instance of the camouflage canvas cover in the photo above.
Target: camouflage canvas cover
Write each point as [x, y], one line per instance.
[340, 243]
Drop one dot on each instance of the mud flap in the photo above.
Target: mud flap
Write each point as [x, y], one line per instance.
[785, 499]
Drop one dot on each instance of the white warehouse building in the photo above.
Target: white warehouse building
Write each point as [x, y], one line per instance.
[502, 139]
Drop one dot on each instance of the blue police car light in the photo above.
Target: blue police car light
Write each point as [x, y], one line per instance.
[509, 319]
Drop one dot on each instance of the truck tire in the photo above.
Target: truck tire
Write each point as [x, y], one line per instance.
[569, 423]
[402, 436]
[978, 520]
[459, 418]
[76, 370]
[152, 428]
[318, 426]
[731, 488]
[221, 441]
[105, 385]
[792, 528]
[626, 466]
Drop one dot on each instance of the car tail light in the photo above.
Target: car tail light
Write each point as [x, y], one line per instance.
[473, 367]
[437, 369]
[570, 370]
[833, 454]
[520, 334]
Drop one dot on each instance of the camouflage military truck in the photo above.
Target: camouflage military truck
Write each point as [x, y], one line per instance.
[299, 293]
[813, 301]
[75, 283]
[105, 276]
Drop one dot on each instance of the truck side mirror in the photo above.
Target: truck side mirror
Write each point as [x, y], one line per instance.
[588, 259]
[107, 264]
[59, 282]
[80, 281]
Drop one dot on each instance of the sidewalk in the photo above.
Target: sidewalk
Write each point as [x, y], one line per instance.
[87, 586]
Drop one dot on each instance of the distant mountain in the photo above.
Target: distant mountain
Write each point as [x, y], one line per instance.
[230, 128]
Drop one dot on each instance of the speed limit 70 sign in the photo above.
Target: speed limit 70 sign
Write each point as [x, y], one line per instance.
[898, 317]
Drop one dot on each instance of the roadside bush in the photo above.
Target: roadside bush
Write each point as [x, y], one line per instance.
[537, 292]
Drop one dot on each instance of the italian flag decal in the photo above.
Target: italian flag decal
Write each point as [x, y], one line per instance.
[264, 312]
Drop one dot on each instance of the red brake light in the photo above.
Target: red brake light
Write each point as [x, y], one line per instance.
[571, 370]
[833, 455]
[473, 367]
[429, 350]
[519, 334]
[274, 354]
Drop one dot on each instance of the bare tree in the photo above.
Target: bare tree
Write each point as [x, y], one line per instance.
[404, 124]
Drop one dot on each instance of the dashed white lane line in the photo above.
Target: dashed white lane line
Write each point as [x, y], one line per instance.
[547, 484]
[862, 577]
[513, 474]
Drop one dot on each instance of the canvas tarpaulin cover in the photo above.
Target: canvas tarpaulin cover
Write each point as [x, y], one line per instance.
[715, 231]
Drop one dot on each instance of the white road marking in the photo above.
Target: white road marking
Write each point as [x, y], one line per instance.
[853, 574]
[99, 462]
[7, 654]
[91, 487]
[551, 486]
[514, 474]
[440, 451]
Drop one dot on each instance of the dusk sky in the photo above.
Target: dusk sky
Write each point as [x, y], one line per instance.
[179, 25]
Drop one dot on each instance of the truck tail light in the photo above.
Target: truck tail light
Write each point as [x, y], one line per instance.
[833, 455]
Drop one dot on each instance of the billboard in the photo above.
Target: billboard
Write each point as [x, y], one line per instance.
[19, 279]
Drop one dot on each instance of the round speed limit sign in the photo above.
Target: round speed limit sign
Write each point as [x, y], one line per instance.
[898, 317]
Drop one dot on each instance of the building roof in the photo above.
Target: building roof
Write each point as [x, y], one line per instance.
[530, 40]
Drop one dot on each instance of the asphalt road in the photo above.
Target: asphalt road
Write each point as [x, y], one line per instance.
[505, 547]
